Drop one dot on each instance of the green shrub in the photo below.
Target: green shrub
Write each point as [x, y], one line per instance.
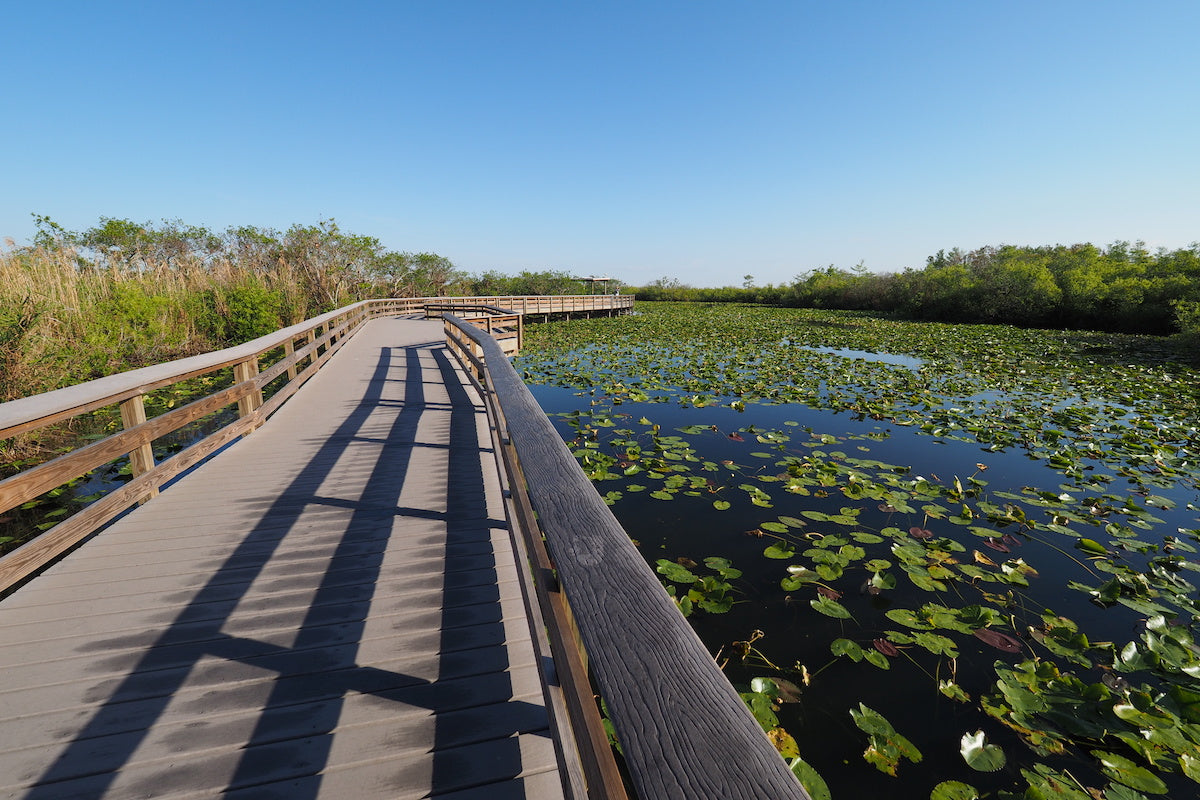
[239, 313]
[1187, 320]
[16, 323]
[252, 311]
[131, 328]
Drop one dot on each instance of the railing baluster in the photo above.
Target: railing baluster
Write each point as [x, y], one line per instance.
[141, 458]
[289, 350]
[246, 371]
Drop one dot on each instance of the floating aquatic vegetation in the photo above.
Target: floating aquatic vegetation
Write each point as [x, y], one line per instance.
[988, 521]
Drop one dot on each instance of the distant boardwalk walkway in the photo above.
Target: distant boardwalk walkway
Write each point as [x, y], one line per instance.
[329, 608]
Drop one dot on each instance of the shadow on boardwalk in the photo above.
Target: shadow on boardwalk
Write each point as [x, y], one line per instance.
[466, 706]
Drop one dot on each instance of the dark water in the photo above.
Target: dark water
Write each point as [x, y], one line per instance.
[795, 634]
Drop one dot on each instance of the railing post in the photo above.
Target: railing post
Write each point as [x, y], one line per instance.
[246, 371]
[477, 351]
[141, 459]
[289, 350]
[309, 338]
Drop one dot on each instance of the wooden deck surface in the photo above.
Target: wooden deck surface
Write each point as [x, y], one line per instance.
[328, 608]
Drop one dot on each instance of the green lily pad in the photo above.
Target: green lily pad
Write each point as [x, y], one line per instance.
[980, 755]
[1124, 771]
[846, 647]
[954, 790]
[780, 550]
[676, 573]
[810, 779]
[830, 608]
[885, 746]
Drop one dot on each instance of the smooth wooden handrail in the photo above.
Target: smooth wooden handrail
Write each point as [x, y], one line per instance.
[685, 732]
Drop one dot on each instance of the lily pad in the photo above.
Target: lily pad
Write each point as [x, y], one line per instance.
[998, 640]
[1122, 770]
[980, 755]
[810, 779]
[780, 550]
[954, 790]
[830, 608]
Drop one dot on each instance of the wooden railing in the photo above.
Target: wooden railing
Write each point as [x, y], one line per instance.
[301, 349]
[685, 732]
[550, 304]
[501, 324]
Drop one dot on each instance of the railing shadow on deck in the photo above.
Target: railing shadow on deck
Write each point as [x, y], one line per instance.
[297, 720]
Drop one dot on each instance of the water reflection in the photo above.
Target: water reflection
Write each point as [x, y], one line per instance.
[883, 358]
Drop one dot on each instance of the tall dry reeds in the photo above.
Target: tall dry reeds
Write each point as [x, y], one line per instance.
[66, 319]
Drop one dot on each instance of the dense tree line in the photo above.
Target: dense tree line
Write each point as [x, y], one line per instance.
[1121, 287]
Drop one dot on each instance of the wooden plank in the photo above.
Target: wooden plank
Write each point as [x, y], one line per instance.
[27, 559]
[24, 561]
[245, 372]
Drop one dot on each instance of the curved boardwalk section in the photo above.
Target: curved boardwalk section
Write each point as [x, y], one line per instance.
[328, 608]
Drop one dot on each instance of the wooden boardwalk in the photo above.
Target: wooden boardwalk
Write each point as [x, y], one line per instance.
[328, 608]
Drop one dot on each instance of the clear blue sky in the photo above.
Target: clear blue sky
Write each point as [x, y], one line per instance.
[693, 139]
